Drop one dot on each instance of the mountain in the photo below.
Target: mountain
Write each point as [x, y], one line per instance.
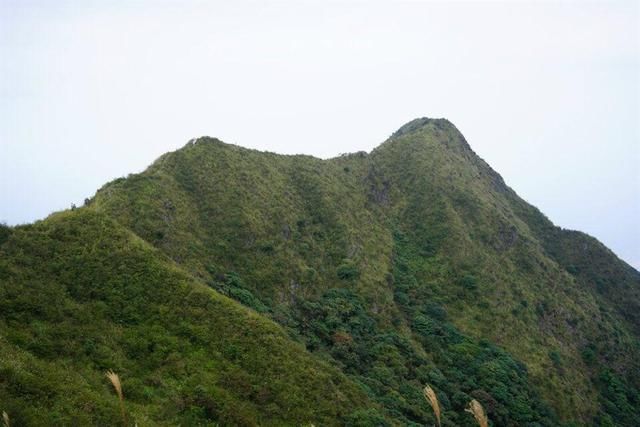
[229, 286]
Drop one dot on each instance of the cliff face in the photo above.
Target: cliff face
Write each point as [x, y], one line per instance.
[412, 264]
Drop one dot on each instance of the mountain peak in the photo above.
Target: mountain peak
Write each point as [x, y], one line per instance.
[420, 123]
[440, 131]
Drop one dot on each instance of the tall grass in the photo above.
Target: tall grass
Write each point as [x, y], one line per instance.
[431, 397]
[117, 385]
[477, 410]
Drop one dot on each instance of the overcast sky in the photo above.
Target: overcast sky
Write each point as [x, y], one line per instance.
[548, 93]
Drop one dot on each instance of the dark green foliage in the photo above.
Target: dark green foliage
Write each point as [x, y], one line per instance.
[589, 355]
[468, 368]
[620, 401]
[468, 282]
[347, 271]
[232, 286]
[555, 358]
[5, 232]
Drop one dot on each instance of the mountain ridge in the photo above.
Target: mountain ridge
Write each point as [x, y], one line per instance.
[410, 264]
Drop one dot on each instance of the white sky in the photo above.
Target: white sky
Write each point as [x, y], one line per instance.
[547, 92]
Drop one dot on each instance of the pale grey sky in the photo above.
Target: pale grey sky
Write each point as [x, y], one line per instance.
[548, 93]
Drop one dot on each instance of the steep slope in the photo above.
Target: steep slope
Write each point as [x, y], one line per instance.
[414, 263]
[80, 294]
[521, 295]
[591, 263]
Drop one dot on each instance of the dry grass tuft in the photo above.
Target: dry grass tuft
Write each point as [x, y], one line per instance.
[477, 410]
[5, 419]
[431, 397]
[117, 385]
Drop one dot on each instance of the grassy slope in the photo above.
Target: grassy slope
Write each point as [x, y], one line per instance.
[80, 294]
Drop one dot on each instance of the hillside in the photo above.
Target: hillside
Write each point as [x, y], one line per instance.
[362, 278]
[80, 295]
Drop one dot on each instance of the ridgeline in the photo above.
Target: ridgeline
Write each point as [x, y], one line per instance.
[228, 286]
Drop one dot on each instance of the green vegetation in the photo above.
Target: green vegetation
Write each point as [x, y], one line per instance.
[81, 295]
[229, 286]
